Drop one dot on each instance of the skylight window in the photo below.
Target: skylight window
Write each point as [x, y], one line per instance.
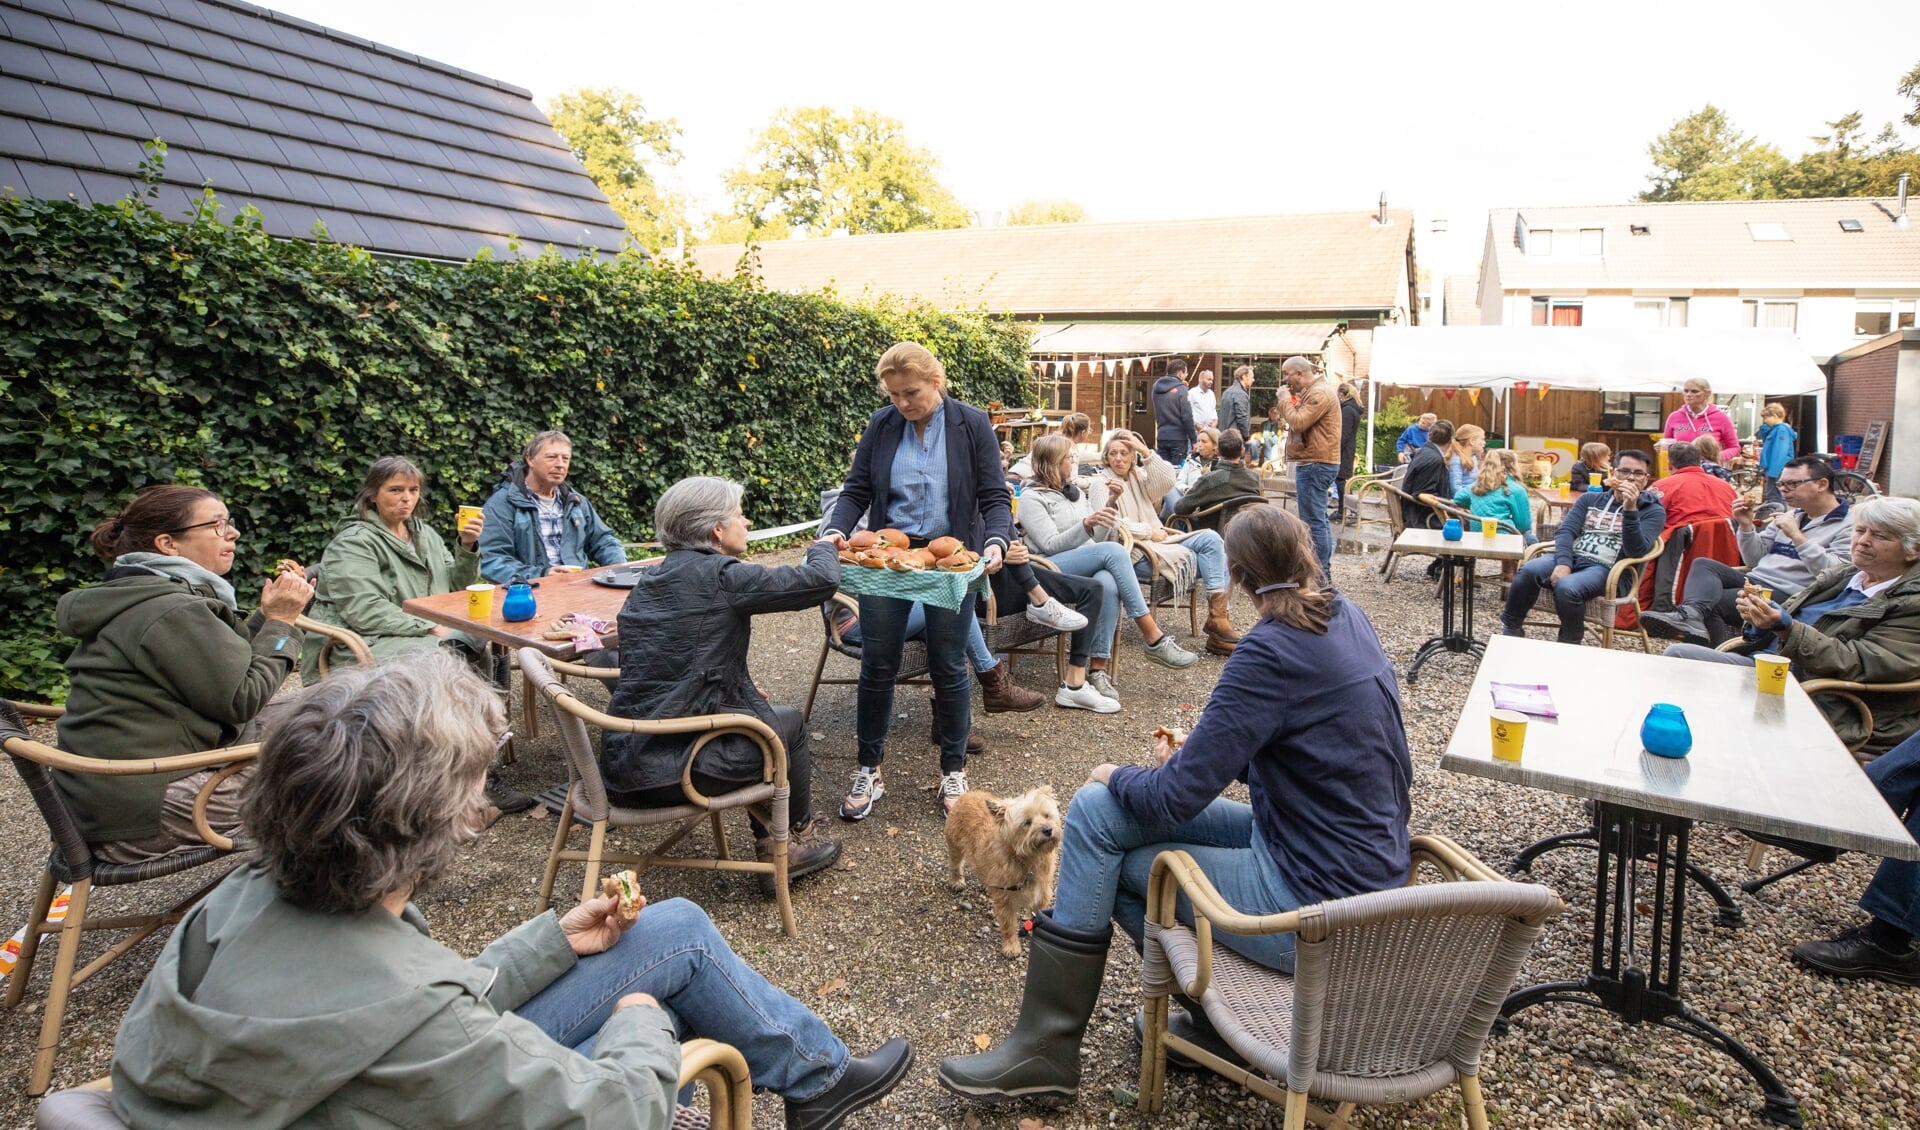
[1851, 225]
[1769, 233]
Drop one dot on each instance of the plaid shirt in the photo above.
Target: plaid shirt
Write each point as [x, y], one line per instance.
[552, 520]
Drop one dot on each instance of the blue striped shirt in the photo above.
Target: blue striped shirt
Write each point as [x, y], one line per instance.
[917, 496]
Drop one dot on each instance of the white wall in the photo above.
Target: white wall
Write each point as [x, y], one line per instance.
[1824, 324]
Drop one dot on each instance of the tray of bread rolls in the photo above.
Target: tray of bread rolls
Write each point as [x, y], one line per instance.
[882, 563]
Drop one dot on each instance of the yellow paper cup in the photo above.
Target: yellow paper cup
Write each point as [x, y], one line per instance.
[479, 602]
[1771, 670]
[1593, 478]
[1489, 527]
[464, 515]
[1566, 491]
[1509, 729]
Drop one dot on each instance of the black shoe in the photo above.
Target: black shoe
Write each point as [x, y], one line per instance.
[866, 1080]
[1683, 623]
[1190, 1025]
[503, 796]
[1854, 954]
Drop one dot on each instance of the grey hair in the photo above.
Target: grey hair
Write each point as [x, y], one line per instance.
[384, 468]
[1699, 383]
[542, 439]
[686, 514]
[1297, 364]
[1893, 516]
[369, 783]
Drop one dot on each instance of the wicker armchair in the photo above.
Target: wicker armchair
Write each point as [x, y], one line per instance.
[1604, 611]
[587, 799]
[1393, 501]
[1391, 999]
[1217, 516]
[342, 638]
[71, 861]
[718, 1067]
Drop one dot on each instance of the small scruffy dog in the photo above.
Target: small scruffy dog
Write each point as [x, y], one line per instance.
[1013, 846]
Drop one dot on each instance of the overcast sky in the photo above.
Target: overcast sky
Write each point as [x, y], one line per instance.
[1177, 110]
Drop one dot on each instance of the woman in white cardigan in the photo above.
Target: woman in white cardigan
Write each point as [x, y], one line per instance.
[1137, 480]
[1078, 532]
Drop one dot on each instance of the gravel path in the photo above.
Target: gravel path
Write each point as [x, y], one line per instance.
[885, 949]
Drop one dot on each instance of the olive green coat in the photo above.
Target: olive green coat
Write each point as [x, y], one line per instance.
[365, 575]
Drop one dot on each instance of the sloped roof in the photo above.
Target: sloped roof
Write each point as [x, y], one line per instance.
[1709, 244]
[1460, 301]
[392, 152]
[1331, 261]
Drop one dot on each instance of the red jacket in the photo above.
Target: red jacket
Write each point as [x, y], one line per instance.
[1691, 495]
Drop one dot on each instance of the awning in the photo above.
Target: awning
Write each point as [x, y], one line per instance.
[1143, 338]
[1768, 362]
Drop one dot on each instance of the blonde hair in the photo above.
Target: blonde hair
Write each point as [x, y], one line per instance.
[1462, 446]
[912, 360]
[1428, 419]
[1595, 454]
[1774, 409]
[1494, 470]
[1699, 383]
[1047, 453]
[1708, 447]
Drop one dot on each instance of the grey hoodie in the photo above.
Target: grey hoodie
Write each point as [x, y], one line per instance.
[260, 1014]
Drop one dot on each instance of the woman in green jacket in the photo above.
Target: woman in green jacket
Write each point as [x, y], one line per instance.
[167, 664]
[384, 556]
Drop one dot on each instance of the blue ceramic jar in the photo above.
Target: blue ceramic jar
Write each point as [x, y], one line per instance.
[519, 604]
[1451, 531]
[1665, 732]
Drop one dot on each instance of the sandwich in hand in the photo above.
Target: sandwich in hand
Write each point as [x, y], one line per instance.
[624, 887]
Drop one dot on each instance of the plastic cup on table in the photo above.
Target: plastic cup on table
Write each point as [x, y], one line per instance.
[1771, 673]
[1508, 729]
[479, 602]
[1566, 491]
[1489, 527]
[1593, 480]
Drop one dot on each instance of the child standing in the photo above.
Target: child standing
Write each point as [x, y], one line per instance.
[1778, 442]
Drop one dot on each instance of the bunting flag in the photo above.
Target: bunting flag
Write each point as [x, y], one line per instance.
[1543, 391]
[1473, 394]
[1109, 364]
[1520, 387]
[1450, 392]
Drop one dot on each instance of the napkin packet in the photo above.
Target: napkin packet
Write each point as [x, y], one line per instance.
[1527, 698]
[584, 631]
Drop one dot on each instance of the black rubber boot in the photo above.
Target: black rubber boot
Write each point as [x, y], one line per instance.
[1041, 1056]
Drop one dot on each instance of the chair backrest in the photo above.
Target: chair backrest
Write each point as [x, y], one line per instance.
[1396, 990]
[67, 840]
[575, 741]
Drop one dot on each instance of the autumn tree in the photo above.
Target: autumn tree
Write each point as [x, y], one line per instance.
[1910, 88]
[815, 170]
[1703, 157]
[1047, 212]
[611, 133]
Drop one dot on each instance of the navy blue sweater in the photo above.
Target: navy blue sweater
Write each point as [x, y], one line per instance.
[1312, 723]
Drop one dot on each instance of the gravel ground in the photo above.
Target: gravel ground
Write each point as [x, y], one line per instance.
[885, 949]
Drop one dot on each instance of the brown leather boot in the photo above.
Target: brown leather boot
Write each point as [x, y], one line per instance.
[1000, 694]
[975, 743]
[1221, 639]
[808, 850]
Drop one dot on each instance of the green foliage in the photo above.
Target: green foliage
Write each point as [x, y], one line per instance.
[611, 134]
[1703, 157]
[1389, 420]
[817, 171]
[1909, 87]
[137, 350]
[1047, 212]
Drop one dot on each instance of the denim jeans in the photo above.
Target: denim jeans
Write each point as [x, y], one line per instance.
[1570, 596]
[1106, 858]
[1173, 449]
[674, 954]
[1311, 484]
[1894, 895]
[883, 623]
[1172, 499]
[1107, 565]
[1700, 654]
[1210, 554]
[977, 653]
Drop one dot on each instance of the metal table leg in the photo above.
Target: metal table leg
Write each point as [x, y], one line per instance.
[1456, 617]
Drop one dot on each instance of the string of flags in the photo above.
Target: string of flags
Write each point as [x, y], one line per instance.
[1051, 369]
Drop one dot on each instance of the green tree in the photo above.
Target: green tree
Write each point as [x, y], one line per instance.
[1910, 88]
[816, 171]
[1703, 157]
[1047, 212]
[1838, 167]
[621, 146]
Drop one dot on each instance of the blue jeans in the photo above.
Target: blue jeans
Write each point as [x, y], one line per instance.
[1570, 596]
[1106, 858]
[1312, 482]
[883, 624]
[1106, 564]
[1174, 495]
[675, 955]
[977, 653]
[1894, 895]
[1172, 448]
[1210, 554]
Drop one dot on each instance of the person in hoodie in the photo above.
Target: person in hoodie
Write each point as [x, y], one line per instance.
[1602, 527]
[384, 556]
[537, 523]
[1778, 443]
[167, 664]
[305, 991]
[1174, 429]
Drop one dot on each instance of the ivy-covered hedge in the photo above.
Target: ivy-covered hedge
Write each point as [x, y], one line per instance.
[138, 350]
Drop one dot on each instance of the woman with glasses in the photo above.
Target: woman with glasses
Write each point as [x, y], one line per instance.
[168, 664]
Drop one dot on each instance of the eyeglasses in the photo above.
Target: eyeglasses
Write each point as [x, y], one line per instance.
[221, 527]
[1623, 473]
[1789, 484]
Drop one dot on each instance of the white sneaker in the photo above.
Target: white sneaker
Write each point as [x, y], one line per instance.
[1099, 681]
[1084, 697]
[1056, 615]
[951, 786]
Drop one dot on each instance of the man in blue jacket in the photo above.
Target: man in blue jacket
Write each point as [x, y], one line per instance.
[536, 522]
[1602, 527]
[1173, 428]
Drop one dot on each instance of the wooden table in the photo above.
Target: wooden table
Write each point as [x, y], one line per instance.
[1021, 428]
[1456, 633]
[557, 595]
[1768, 763]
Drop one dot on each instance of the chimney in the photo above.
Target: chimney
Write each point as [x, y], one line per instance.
[1901, 219]
[1381, 219]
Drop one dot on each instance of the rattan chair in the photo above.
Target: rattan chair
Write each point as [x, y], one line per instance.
[1602, 612]
[1217, 516]
[71, 861]
[587, 802]
[1391, 998]
[1393, 502]
[1159, 588]
[341, 639]
[718, 1067]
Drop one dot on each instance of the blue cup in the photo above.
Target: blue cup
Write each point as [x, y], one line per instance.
[519, 604]
[1665, 732]
[1451, 531]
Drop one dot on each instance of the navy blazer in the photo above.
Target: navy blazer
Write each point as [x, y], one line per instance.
[978, 504]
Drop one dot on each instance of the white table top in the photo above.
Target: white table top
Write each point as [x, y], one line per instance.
[1768, 763]
[1472, 543]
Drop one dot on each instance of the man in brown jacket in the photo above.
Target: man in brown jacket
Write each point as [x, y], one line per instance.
[1313, 447]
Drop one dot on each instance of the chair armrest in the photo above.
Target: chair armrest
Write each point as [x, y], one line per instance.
[1187, 520]
[773, 752]
[1535, 550]
[133, 767]
[602, 674]
[723, 1071]
[1452, 860]
[1039, 562]
[1833, 686]
[340, 637]
[1629, 567]
[38, 709]
[833, 628]
[1175, 873]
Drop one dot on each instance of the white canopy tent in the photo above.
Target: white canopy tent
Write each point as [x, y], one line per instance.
[1766, 362]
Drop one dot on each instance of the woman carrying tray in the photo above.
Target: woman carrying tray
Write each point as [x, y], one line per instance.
[929, 466]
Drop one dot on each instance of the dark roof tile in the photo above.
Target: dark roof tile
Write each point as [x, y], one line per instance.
[17, 138]
[76, 73]
[126, 85]
[24, 61]
[51, 182]
[10, 178]
[70, 107]
[64, 145]
[123, 119]
[116, 152]
[20, 98]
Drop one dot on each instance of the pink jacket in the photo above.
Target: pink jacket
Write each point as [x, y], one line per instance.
[1684, 425]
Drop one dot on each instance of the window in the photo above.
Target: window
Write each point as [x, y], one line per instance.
[1851, 226]
[1650, 312]
[1539, 241]
[1056, 385]
[1593, 241]
[1556, 311]
[1771, 314]
[1769, 233]
[1871, 319]
[1676, 312]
